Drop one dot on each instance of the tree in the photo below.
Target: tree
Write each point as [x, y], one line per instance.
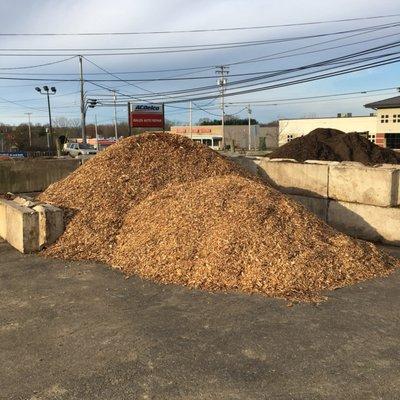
[231, 121]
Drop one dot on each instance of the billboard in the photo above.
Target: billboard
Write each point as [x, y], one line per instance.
[147, 116]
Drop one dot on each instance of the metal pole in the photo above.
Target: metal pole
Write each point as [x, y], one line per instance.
[50, 126]
[115, 116]
[163, 115]
[129, 119]
[95, 130]
[222, 70]
[223, 117]
[83, 112]
[249, 111]
[29, 128]
[190, 119]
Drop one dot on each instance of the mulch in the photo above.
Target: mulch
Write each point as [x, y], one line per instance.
[167, 209]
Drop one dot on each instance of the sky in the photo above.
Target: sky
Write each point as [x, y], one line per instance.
[18, 97]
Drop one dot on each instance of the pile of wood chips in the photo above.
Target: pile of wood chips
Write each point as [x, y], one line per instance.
[174, 211]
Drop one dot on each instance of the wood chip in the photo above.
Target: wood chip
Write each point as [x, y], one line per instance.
[174, 211]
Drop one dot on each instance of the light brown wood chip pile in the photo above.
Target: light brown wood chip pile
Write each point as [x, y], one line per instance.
[176, 212]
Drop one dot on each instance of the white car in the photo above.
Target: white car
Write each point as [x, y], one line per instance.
[79, 149]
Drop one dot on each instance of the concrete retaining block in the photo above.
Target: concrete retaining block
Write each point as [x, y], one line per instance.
[309, 180]
[3, 219]
[250, 164]
[322, 162]
[33, 175]
[51, 223]
[377, 186]
[378, 224]
[19, 225]
[318, 206]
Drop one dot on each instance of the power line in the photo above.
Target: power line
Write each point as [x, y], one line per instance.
[179, 49]
[211, 45]
[342, 61]
[203, 30]
[39, 65]
[296, 82]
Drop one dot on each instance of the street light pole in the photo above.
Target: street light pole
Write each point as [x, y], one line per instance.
[29, 128]
[50, 126]
[50, 132]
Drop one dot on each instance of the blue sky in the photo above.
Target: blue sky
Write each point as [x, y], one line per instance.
[17, 97]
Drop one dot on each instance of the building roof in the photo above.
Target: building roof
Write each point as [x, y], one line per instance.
[329, 117]
[392, 102]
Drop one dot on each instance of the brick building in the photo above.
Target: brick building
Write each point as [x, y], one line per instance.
[381, 126]
[387, 122]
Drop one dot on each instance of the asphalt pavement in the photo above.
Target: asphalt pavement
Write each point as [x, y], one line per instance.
[74, 330]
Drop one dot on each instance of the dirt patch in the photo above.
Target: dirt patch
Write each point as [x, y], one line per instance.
[335, 145]
[174, 211]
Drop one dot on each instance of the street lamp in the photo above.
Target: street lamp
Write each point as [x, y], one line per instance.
[29, 128]
[48, 92]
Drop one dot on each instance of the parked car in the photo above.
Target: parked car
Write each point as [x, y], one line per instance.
[79, 149]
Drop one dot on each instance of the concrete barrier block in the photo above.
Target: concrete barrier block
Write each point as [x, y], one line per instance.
[322, 162]
[21, 226]
[283, 160]
[51, 223]
[33, 175]
[3, 220]
[318, 206]
[248, 163]
[378, 224]
[309, 180]
[364, 185]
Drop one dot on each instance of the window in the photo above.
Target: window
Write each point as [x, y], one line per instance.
[207, 142]
[217, 142]
[371, 138]
[396, 118]
[289, 138]
[392, 140]
[384, 118]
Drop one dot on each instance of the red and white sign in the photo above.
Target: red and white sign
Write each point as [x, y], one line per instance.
[147, 116]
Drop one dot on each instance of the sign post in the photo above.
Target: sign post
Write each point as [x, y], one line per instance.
[129, 119]
[147, 116]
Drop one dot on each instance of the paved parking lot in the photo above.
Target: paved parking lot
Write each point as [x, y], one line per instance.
[71, 330]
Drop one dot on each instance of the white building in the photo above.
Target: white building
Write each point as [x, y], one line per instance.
[292, 128]
[381, 127]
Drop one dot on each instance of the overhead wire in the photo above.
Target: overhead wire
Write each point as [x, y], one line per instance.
[202, 30]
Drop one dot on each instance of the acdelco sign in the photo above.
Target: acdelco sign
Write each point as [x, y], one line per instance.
[146, 108]
[147, 116]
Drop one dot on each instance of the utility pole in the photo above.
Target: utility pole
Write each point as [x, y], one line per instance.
[222, 71]
[29, 128]
[115, 115]
[83, 111]
[249, 111]
[95, 130]
[190, 119]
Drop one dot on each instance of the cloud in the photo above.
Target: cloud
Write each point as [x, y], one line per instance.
[123, 16]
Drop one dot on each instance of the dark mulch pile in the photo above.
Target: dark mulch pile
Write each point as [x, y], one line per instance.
[335, 145]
